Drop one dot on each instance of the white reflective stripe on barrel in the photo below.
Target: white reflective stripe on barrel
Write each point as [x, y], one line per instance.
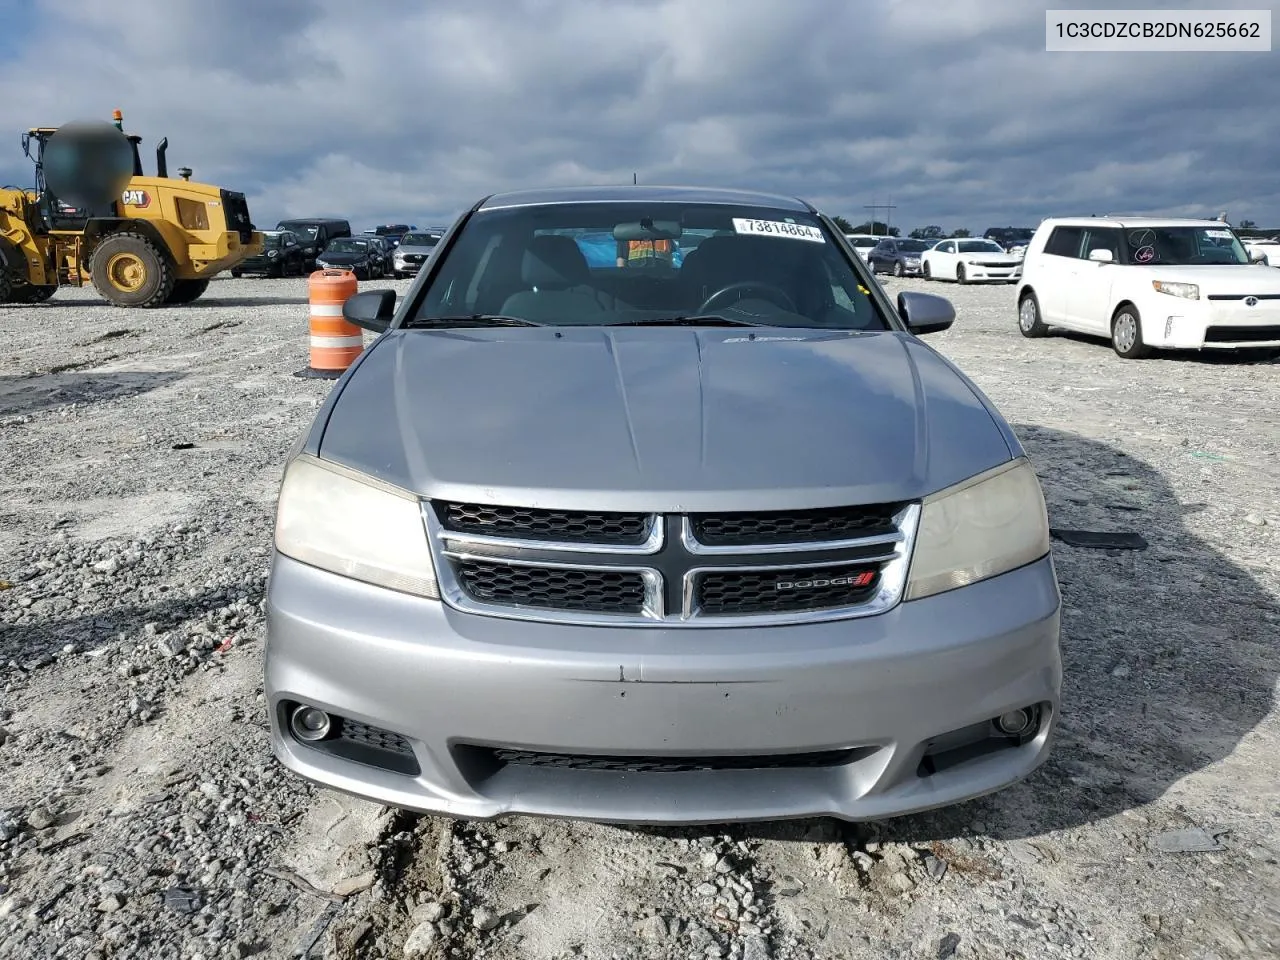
[326, 309]
[335, 342]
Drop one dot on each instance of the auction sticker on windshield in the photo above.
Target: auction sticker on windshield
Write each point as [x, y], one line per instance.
[779, 228]
[1218, 234]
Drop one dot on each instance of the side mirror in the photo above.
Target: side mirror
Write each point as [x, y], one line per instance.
[1257, 256]
[372, 309]
[1101, 256]
[925, 312]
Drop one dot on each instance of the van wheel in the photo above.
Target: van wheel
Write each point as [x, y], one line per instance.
[1126, 334]
[131, 271]
[1029, 322]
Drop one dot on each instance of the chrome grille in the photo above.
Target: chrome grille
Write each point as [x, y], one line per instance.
[697, 570]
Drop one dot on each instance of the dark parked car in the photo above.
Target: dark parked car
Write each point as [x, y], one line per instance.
[315, 234]
[358, 254]
[1010, 237]
[281, 256]
[898, 256]
[386, 251]
[392, 232]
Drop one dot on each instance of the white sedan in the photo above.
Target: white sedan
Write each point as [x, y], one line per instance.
[1269, 249]
[969, 261]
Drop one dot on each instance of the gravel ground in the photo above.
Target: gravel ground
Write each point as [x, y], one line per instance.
[141, 814]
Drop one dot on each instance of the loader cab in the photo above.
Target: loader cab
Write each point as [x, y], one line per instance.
[55, 214]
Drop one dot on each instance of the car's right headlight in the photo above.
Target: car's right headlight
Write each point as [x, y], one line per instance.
[354, 525]
[987, 525]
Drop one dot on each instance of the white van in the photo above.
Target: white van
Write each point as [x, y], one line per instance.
[1148, 284]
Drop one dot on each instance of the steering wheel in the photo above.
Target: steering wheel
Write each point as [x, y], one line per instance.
[766, 291]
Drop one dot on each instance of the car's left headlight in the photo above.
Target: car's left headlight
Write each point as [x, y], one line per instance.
[355, 526]
[1189, 291]
[987, 525]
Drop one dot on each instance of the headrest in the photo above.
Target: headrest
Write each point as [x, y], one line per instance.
[554, 263]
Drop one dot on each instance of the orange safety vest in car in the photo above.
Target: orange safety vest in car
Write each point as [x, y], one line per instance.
[649, 250]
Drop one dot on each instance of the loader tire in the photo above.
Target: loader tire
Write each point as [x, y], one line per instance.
[187, 291]
[6, 285]
[131, 271]
[30, 294]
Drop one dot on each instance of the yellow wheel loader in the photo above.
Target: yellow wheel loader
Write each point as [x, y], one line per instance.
[140, 241]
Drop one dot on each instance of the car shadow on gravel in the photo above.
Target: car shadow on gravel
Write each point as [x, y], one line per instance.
[32, 639]
[29, 394]
[246, 302]
[1245, 356]
[1169, 661]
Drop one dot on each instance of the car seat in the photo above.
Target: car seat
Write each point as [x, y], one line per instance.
[558, 283]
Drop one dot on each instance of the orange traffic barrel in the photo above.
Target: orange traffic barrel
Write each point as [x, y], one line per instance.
[335, 343]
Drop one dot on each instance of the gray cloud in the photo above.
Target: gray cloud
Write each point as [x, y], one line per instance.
[389, 110]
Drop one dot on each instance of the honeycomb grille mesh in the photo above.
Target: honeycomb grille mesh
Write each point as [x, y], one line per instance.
[374, 737]
[796, 526]
[727, 593]
[553, 588]
[527, 523]
[569, 761]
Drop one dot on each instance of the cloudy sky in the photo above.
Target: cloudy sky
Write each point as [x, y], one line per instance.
[410, 110]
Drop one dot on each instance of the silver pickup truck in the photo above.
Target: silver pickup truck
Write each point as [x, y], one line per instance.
[649, 505]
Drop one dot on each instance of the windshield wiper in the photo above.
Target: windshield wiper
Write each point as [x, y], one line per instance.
[472, 320]
[710, 320]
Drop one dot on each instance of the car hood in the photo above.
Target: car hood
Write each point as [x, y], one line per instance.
[664, 419]
[1256, 279]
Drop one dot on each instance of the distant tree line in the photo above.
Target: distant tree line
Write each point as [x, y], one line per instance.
[879, 228]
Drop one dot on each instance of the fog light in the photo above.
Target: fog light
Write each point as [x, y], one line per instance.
[1014, 723]
[310, 724]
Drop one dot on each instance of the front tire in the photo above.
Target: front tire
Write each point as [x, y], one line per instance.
[898, 270]
[187, 291]
[129, 270]
[30, 294]
[1029, 322]
[237, 274]
[1126, 334]
[926, 271]
[961, 276]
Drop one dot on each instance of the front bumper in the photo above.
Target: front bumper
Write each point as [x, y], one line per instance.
[1211, 325]
[259, 265]
[977, 273]
[455, 685]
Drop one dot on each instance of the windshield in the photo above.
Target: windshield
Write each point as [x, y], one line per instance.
[418, 240]
[303, 231]
[272, 241]
[1184, 246]
[913, 246]
[608, 263]
[865, 242]
[347, 246]
[980, 246]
